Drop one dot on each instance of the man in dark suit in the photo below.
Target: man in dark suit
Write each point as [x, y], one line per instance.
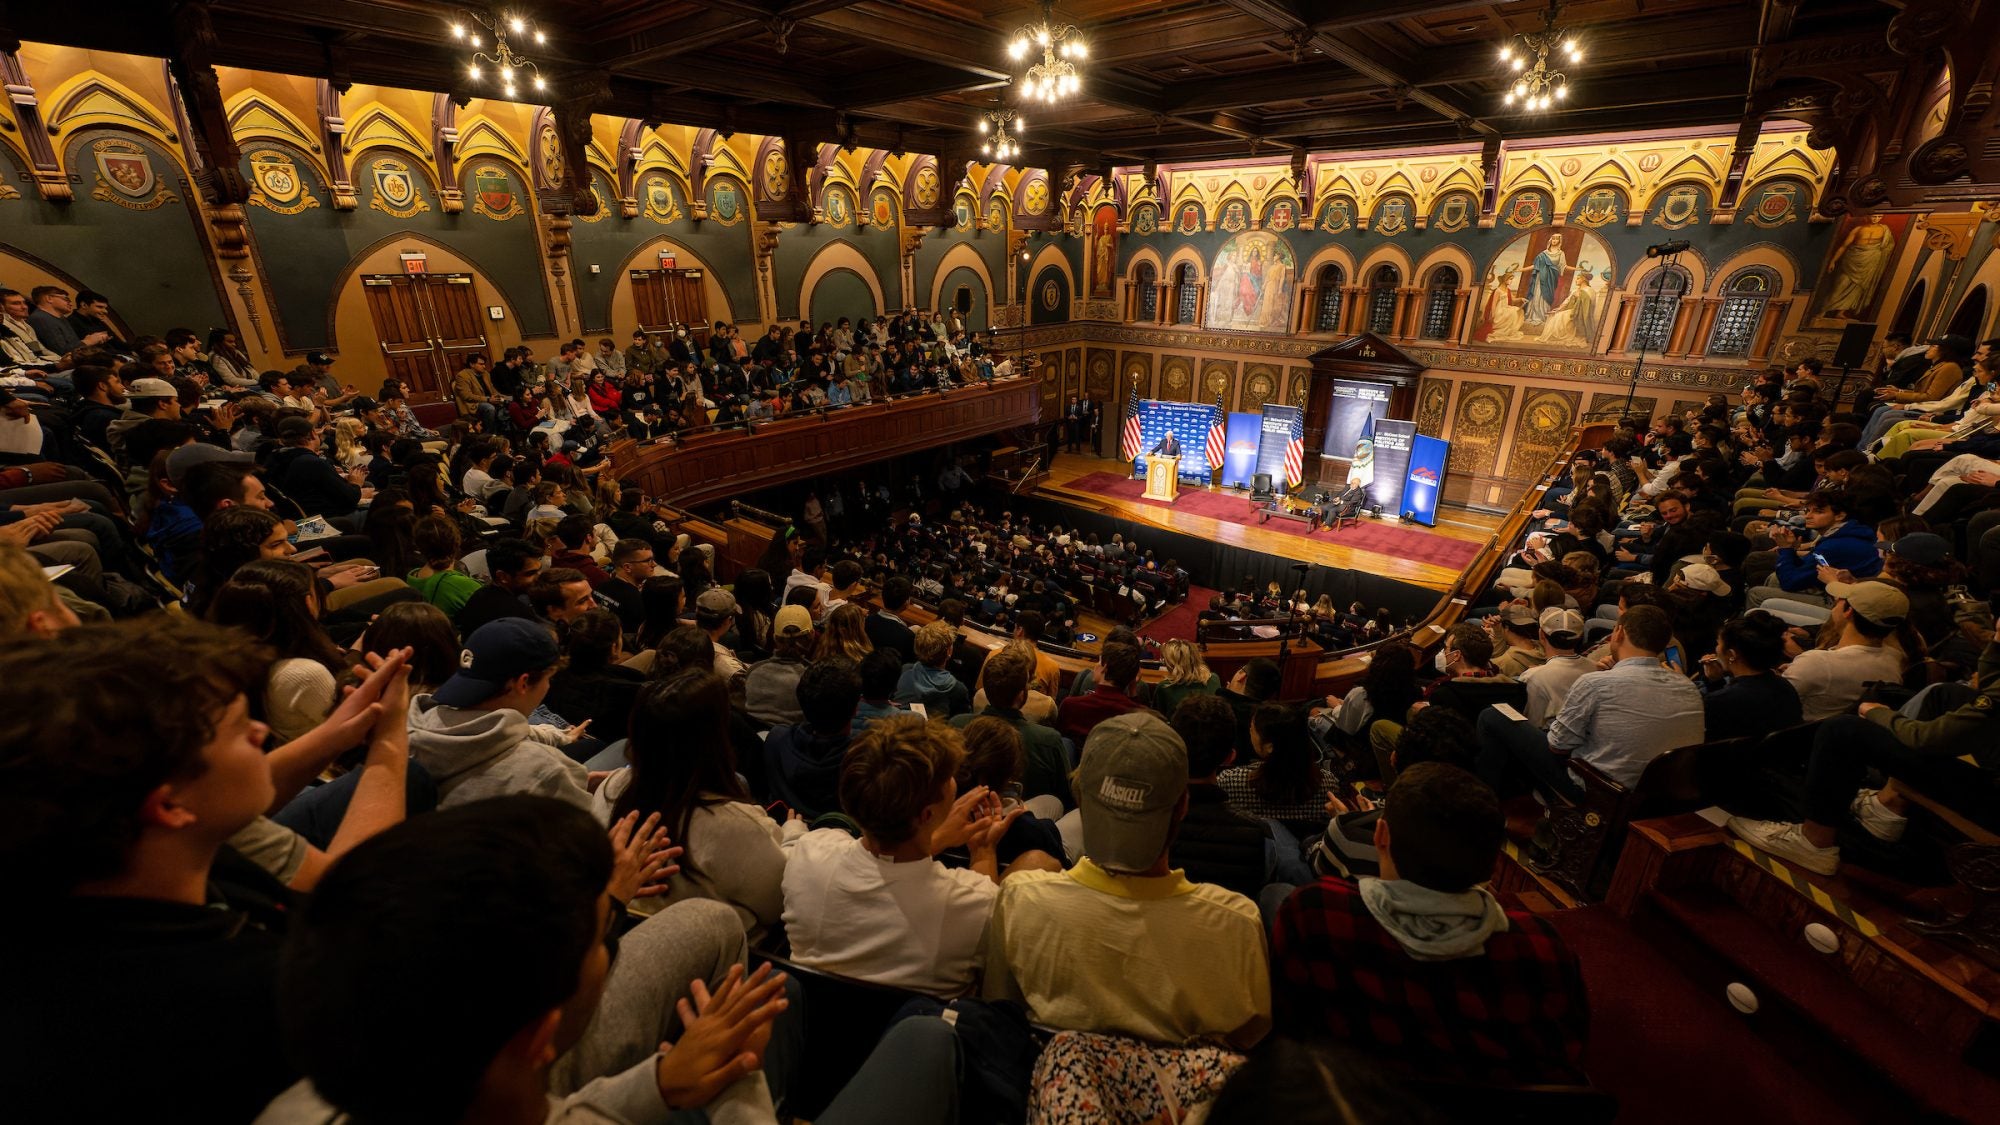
[886, 628]
[1170, 446]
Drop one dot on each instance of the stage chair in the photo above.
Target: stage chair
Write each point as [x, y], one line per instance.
[1260, 487]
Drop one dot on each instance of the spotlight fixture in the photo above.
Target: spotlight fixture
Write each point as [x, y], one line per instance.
[1055, 77]
[514, 72]
[995, 144]
[1537, 85]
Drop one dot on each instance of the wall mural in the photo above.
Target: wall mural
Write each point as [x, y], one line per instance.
[1103, 251]
[1475, 435]
[1433, 396]
[277, 183]
[1546, 289]
[1851, 288]
[1251, 284]
[726, 202]
[662, 198]
[1541, 430]
[493, 193]
[396, 189]
[839, 207]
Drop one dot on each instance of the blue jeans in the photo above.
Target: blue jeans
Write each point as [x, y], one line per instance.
[1509, 749]
[316, 813]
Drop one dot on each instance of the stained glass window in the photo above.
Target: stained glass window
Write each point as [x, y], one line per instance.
[1382, 300]
[1185, 295]
[1441, 292]
[1744, 297]
[1149, 293]
[1654, 325]
[1326, 318]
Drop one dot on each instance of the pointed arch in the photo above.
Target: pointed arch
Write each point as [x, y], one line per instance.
[961, 256]
[252, 116]
[378, 126]
[1449, 254]
[839, 254]
[90, 99]
[482, 136]
[1611, 170]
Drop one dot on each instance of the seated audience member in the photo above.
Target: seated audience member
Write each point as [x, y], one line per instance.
[1116, 673]
[593, 685]
[1829, 681]
[472, 733]
[967, 657]
[880, 908]
[1255, 682]
[684, 770]
[1214, 843]
[771, 686]
[880, 673]
[927, 680]
[1284, 781]
[1121, 943]
[995, 757]
[439, 579]
[312, 481]
[274, 603]
[632, 563]
[1921, 746]
[491, 927]
[1186, 675]
[1386, 690]
[1348, 844]
[802, 760]
[1742, 693]
[513, 565]
[715, 614]
[558, 596]
[886, 627]
[1471, 683]
[1831, 541]
[569, 547]
[126, 783]
[1548, 683]
[1519, 629]
[1422, 964]
[1006, 674]
[1617, 720]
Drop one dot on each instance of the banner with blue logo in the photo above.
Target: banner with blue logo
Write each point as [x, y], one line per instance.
[1274, 436]
[1239, 453]
[1188, 422]
[1425, 480]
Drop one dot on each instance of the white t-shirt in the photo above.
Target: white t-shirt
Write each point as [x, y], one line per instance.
[913, 925]
[1829, 680]
[1549, 684]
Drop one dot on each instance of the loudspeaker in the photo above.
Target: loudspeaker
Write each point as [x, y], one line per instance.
[1260, 487]
[1854, 341]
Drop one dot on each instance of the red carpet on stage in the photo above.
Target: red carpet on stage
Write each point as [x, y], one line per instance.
[1368, 535]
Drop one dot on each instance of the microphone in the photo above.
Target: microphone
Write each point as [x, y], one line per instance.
[1667, 249]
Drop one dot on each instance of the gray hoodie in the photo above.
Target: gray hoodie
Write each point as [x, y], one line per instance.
[1433, 925]
[478, 754]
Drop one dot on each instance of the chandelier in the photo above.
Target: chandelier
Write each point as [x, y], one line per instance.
[1536, 85]
[514, 71]
[1062, 47]
[998, 147]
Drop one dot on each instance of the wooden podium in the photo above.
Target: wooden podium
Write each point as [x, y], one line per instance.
[1163, 477]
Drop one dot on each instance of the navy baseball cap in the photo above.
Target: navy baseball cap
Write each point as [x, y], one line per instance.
[497, 652]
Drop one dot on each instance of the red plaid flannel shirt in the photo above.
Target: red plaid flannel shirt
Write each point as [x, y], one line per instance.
[1515, 1014]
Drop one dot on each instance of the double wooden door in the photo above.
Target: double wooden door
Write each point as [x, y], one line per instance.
[664, 298]
[428, 324]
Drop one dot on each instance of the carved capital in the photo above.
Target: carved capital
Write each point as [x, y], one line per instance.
[1950, 231]
[226, 225]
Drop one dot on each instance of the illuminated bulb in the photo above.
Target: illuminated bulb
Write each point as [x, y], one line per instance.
[472, 41]
[540, 84]
[539, 37]
[1562, 92]
[516, 25]
[1082, 49]
[982, 125]
[1510, 97]
[1569, 44]
[1575, 54]
[1042, 36]
[1017, 48]
[1506, 53]
[458, 31]
[1520, 87]
[1520, 63]
[1020, 124]
[472, 71]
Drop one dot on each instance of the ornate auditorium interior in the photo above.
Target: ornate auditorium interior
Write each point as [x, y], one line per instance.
[1485, 517]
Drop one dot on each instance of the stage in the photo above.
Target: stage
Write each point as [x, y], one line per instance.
[1409, 553]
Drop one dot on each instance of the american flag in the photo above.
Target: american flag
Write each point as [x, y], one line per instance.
[1217, 424]
[1295, 452]
[1132, 437]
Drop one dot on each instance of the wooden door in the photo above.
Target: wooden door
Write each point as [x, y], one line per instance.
[408, 351]
[664, 298]
[457, 321]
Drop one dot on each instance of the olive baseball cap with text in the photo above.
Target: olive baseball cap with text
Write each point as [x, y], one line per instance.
[1131, 779]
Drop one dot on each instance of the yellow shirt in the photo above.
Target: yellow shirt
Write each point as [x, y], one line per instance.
[1161, 958]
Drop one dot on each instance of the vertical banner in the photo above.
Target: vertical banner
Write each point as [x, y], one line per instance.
[1425, 479]
[1239, 451]
[1354, 404]
[1188, 422]
[1274, 435]
[1392, 463]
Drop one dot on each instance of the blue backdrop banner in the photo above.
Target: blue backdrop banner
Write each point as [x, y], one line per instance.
[1239, 454]
[1425, 479]
[1188, 422]
[1392, 463]
[1275, 434]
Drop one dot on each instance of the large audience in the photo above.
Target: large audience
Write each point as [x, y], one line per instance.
[356, 770]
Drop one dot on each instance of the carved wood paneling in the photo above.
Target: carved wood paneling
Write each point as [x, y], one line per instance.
[1541, 430]
[1477, 428]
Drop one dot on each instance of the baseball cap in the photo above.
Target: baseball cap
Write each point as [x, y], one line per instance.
[1879, 602]
[1703, 577]
[1556, 621]
[793, 620]
[150, 388]
[716, 600]
[181, 460]
[294, 428]
[362, 404]
[497, 652]
[1518, 615]
[1133, 773]
[319, 359]
[1923, 548]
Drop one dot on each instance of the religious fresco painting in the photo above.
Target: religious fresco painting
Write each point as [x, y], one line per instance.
[1104, 251]
[1851, 287]
[1251, 284]
[1546, 289]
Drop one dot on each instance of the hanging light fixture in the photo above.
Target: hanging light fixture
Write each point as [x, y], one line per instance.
[512, 71]
[1536, 84]
[995, 144]
[1062, 47]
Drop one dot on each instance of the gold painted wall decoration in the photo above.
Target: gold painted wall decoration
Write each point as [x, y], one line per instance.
[1541, 430]
[395, 191]
[278, 186]
[1475, 434]
[125, 176]
[661, 204]
[1433, 397]
[493, 193]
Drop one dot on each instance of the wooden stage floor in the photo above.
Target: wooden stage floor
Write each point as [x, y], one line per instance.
[1323, 548]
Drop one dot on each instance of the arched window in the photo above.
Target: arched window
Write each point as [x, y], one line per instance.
[1326, 310]
[1147, 282]
[1970, 319]
[1660, 299]
[1911, 310]
[1744, 298]
[1438, 298]
[1382, 299]
[1186, 298]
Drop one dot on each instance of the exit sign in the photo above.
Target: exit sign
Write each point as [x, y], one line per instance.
[415, 262]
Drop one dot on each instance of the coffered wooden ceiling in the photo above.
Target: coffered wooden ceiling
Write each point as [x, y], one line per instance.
[1167, 80]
